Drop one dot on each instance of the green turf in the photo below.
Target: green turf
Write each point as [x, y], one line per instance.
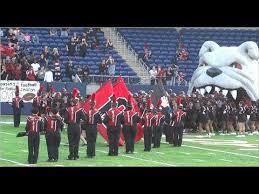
[13, 152]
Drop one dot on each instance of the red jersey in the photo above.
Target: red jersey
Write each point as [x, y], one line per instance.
[113, 117]
[34, 124]
[148, 119]
[128, 117]
[158, 119]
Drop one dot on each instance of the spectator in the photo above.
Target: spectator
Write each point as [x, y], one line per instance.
[153, 74]
[69, 70]
[35, 66]
[25, 67]
[84, 36]
[30, 74]
[35, 39]
[1, 32]
[96, 43]
[42, 61]
[10, 69]
[30, 57]
[111, 66]
[41, 73]
[71, 47]
[64, 32]
[181, 78]
[27, 37]
[53, 32]
[18, 72]
[109, 44]
[55, 54]
[48, 75]
[161, 74]
[80, 72]
[169, 74]
[175, 69]
[103, 69]
[16, 32]
[75, 37]
[86, 73]
[4, 75]
[83, 48]
[76, 78]
[13, 40]
[183, 55]
[46, 55]
[57, 72]
[147, 55]
[10, 33]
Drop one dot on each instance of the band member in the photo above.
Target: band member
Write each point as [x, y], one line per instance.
[73, 116]
[253, 117]
[131, 118]
[17, 104]
[179, 118]
[226, 109]
[159, 119]
[242, 117]
[147, 120]
[211, 116]
[113, 119]
[38, 100]
[52, 126]
[33, 127]
[231, 122]
[203, 119]
[93, 118]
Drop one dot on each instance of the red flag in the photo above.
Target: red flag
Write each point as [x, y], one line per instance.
[121, 91]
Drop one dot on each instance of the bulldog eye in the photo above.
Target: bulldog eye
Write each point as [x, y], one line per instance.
[236, 65]
[203, 64]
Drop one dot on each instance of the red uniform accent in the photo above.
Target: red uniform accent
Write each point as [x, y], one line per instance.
[148, 119]
[91, 113]
[16, 101]
[72, 111]
[157, 118]
[178, 115]
[179, 100]
[113, 115]
[33, 123]
[38, 100]
[128, 117]
[51, 124]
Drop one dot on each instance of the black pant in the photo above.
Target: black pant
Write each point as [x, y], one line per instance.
[16, 118]
[171, 134]
[91, 134]
[147, 138]
[53, 142]
[157, 136]
[178, 134]
[113, 136]
[129, 133]
[73, 133]
[33, 147]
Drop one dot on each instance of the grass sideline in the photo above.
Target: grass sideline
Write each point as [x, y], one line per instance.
[196, 151]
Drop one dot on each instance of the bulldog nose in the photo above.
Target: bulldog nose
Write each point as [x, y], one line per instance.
[213, 72]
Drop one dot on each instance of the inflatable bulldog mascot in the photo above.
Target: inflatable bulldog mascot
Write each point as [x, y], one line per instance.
[230, 70]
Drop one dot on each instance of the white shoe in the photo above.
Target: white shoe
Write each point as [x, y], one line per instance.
[233, 133]
[213, 134]
[255, 132]
[240, 136]
[246, 133]
[250, 133]
[228, 134]
[222, 134]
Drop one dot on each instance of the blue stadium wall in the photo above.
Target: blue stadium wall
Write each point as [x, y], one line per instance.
[6, 108]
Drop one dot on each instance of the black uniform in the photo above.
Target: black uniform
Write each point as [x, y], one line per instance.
[73, 116]
[203, 115]
[93, 118]
[33, 127]
[159, 120]
[113, 119]
[241, 114]
[148, 120]
[52, 126]
[253, 113]
[129, 129]
[17, 105]
[179, 119]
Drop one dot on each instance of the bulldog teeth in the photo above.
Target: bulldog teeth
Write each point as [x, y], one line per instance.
[202, 90]
[234, 94]
[208, 88]
[224, 92]
[217, 89]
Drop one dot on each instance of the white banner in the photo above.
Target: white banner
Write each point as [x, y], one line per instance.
[7, 89]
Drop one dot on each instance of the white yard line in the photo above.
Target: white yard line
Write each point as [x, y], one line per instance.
[226, 152]
[160, 153]
[186, 153]
[198, 160]
[250, 149]
[226, 160]
[10, 122]
[12, 161]
[210, 153]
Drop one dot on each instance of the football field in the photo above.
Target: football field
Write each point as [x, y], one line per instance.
[197, 150]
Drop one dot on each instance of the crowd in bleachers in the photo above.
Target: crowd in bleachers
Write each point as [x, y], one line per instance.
[28, 53]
